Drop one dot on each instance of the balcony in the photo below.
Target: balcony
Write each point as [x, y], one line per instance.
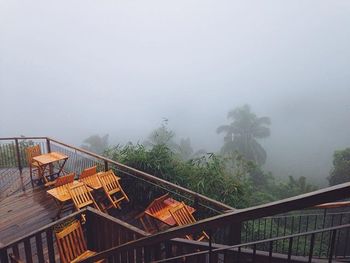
[290, 230]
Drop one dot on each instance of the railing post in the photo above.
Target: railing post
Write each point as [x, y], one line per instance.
[18, 156]
[106, 166]
[234, 235]
[210, 247]
[3, 256]
[48, 145]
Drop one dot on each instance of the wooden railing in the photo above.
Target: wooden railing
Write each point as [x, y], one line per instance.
[228, 221]
[263, 250]
[102, 232]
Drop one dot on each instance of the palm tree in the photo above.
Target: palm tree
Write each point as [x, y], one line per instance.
[242, 133]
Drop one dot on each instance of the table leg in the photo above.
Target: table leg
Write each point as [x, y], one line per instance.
[61, 167]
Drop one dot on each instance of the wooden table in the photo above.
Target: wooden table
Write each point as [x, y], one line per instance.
[62, 196]
[47, 160]
[164, 215]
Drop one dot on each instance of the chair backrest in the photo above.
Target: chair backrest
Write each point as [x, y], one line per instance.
[32, 152]
[109, 181]
[81, 196]
[71, 242]
[88, 172]
[157, 204]
[66, 179]
[182, 215]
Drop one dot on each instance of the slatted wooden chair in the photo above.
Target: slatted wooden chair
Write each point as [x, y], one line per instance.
[88, 172]
[156, 206]
[31, 152]
[64, 180]
[182, 216]
[81, 196]
[112, 188]
[72, 245]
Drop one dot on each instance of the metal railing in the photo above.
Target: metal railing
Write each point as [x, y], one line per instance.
[252, 251]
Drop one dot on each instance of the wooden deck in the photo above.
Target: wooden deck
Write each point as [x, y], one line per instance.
[24, 209]
[22, 212]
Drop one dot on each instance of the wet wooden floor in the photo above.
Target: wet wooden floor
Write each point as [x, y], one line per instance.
[23, 209]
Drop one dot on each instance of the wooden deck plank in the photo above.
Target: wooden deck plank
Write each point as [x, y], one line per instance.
[22, 212]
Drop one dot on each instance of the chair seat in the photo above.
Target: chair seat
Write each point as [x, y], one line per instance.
[86, 254]
[112, 192]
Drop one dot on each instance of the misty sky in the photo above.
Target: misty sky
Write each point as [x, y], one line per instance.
[69, 69]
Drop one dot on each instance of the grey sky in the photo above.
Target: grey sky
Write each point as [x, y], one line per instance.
[69, 69]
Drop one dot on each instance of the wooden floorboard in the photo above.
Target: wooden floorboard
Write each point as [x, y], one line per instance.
[24, 211]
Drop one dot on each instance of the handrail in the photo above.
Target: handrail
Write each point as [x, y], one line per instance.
[225, 247]
[329, 194]
[334, 205]
[23, 138]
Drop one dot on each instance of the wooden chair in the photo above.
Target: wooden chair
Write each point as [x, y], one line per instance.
[156, 206]
[63, 180]
[114, 192]
[72, 245]
[31, 152]
[182, 216]
[81, 196]
[88, 172]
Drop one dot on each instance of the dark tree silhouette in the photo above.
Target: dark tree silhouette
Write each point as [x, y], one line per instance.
[242, 134]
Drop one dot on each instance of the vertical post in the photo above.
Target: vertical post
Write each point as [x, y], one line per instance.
[234, 235]
[331, 251]
[312, 243]
[106, 166]
[48, 145]
[210, 247]
[3, 256]
[18, 156]
[196, 202]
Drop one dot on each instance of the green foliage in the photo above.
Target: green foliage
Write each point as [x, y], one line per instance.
[96, 143]
[232, 178]
[243, 132]
[206, 175]
[8, 154]
[341, 167]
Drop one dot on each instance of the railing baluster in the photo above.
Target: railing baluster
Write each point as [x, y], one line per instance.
[254, 253]
[28, 250]
[270, 251]
[50, 246]
[39, 248]
[311, 251]
[290, 249]
[323, 225]
[210, 246]
[331, 251]
[18, 156]
[307, 227]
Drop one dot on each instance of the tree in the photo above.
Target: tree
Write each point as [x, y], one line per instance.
[96, 143]
[185, 151]
[161, 136]
[340, 172]
[243, 132]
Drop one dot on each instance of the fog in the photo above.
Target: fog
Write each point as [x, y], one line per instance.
[70, 69]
